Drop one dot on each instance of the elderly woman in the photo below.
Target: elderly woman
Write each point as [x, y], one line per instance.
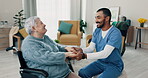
[40, 52]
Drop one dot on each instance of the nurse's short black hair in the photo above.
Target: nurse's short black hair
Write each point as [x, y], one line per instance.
[106, 12]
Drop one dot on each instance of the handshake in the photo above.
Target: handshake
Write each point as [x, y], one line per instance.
[75, 53]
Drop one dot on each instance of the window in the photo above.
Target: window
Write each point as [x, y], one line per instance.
[50, 12]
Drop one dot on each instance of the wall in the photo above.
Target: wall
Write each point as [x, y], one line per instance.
[8, 8]
[132, 9]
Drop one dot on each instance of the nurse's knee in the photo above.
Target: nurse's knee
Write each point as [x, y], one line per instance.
[82, 73]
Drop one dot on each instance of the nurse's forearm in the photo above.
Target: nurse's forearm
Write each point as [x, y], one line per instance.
[90, 48]
[100, 55]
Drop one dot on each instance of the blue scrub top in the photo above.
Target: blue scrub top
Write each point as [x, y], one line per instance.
[113, 38]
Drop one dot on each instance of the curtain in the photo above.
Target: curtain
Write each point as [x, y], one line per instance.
[29, 8]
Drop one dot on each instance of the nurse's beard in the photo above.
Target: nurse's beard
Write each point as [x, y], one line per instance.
[100, 25]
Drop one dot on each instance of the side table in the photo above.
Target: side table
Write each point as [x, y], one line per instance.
[139, 36]
[4, 37]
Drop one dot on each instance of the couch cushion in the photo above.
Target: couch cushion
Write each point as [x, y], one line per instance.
[69, 38]
[65, 27]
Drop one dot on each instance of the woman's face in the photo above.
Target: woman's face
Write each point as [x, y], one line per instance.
[40, 28]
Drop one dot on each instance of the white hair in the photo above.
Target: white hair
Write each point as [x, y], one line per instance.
[29, 23]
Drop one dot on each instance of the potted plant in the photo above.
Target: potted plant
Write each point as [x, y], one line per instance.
[82, 25]
[142, 21]
[19, 19]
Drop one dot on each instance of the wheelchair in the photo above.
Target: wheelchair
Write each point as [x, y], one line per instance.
[27, 72]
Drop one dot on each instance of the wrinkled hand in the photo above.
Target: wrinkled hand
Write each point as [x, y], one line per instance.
[77, 49]
[75, 53]
[70, 49]
[80, 51]
[72, 54]
[81, 55]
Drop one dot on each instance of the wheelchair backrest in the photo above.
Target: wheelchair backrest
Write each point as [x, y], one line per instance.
[21, 60]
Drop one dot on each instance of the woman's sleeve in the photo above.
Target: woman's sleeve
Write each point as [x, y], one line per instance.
[37, 53]
[60, 47]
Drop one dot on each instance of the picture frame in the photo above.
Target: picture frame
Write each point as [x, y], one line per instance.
[115, 13]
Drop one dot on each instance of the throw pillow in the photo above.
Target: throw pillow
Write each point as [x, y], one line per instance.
[65, 27]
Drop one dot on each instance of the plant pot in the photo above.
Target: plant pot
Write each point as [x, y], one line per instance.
[81, 34]
[141, 24]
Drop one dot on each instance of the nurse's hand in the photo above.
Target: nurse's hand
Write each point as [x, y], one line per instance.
[80, 51]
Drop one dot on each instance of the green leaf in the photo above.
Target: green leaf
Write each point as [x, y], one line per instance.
[19, 19]
[57, 41]
[21, 10]
[16, 15]
[82, 25]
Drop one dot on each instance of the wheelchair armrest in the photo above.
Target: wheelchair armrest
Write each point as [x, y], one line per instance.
[32, 70]
[69, 63]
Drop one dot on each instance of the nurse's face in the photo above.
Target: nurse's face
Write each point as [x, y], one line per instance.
[100, 19]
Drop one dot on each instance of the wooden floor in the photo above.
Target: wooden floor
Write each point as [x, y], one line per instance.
[136, 63]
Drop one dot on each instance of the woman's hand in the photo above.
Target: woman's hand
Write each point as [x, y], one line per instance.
[69, 49]
[78, 49]
[72, 54]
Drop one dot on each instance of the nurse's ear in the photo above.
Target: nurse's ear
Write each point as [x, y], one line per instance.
[107, 18]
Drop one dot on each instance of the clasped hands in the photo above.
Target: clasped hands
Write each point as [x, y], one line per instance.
[75, 53]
